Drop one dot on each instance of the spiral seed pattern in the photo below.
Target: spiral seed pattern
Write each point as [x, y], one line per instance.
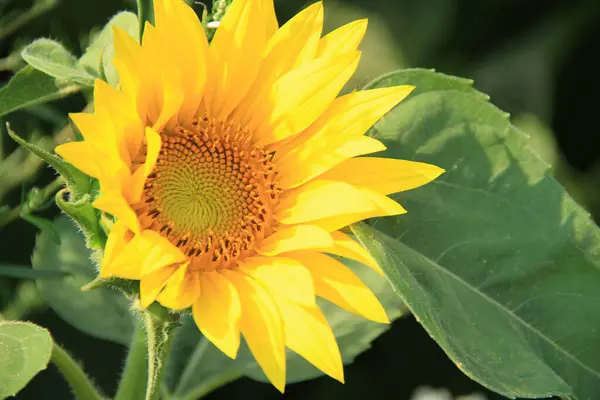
[212, 193]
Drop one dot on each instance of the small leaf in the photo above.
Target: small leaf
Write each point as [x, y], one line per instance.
[98, 56]
[30, 86]
[26, 272]
[53, 59]
[25, 350]
[102, 313]
[76, 180]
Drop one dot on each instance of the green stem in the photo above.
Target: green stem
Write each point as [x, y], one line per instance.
[133, 381]
[82, 387]
[147, 357]
[159, 326]
[45, 194]
[145, 12]
[212, 385]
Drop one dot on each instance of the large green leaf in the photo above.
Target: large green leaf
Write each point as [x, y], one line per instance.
[196, 365]
[101, 312]
[53, 59]
[494, 258]
[25, 350]
[30, 86]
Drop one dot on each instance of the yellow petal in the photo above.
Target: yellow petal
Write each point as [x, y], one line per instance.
[294, 43]
[217, 312]
[268, 10]
[294, 107]
[146, 253]
[118, 105]
[262, 327]
[301, 166]
[383, 206]
[344, 39]
[360, 146]
[82, 155]
[97, 129]
[346, 247]
[166, 93]
[115, 204]
[152, 284]
[282, 275]
[158, 252]
[308, 334]
[384, 175]
[235, 55]
[183, 37]
[139, 177]
[336, 283]
[132, 66]
[321, 199]
[182, 289]
[346, 120]
[115, 244]
[297, 237]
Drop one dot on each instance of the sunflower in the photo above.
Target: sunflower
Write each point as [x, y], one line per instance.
[230, 169]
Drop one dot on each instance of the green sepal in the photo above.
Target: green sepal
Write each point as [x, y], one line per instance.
[84, 214]
[77, 181]
[126, 286]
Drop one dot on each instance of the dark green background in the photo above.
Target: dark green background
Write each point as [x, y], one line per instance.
[536, 59]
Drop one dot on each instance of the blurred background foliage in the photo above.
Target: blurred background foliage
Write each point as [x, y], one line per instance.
[536, 59]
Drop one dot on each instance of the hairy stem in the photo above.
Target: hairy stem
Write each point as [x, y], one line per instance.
[80, 383]
[133, 381]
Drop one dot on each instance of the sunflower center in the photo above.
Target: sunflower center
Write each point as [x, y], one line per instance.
[212, 193]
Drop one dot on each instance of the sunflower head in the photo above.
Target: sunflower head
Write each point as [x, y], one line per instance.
[230, 168]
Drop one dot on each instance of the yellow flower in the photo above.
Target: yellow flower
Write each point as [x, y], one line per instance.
[230, 171]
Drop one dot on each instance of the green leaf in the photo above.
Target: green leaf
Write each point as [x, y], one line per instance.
[25, 350]
[53, 59]
[30, 86]
[26, 272]
[76, 180]
[494, 258]
[197, 365]
[102, 313]
[425, 80]
[98, 56]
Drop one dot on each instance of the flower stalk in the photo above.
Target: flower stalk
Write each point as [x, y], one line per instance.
[150, 347]
[133, 380]
[80, 383]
